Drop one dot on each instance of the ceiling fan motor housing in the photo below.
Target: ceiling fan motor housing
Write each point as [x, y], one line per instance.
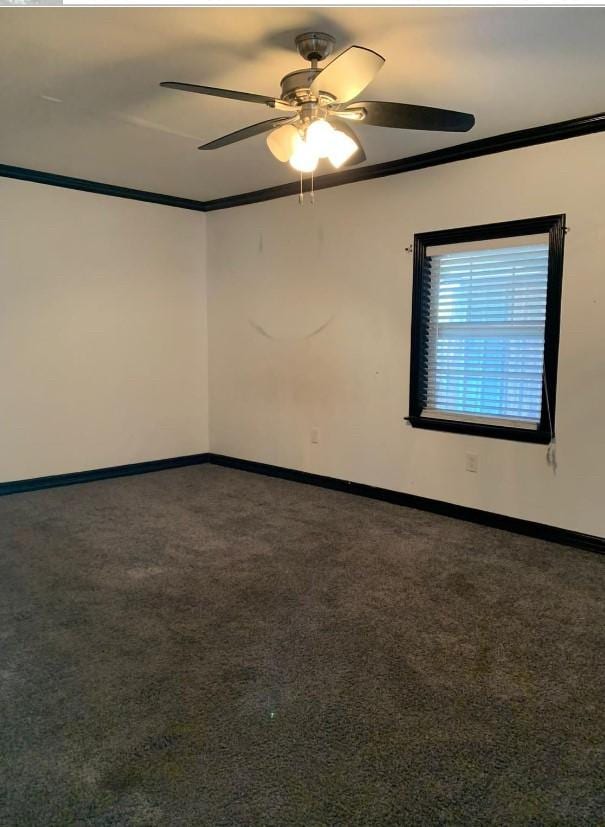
[295, 85]
[295, 88]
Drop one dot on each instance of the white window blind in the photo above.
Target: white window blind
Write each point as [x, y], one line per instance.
[485, 309]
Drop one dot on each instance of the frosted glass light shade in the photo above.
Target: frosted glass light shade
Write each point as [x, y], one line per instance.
[319, 137]
[303, 158]
[281, 141]
[341, 148]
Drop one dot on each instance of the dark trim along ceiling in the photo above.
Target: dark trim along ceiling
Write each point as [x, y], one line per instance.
[461, 152]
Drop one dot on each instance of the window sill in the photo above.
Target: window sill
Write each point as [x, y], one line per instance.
[476, 429]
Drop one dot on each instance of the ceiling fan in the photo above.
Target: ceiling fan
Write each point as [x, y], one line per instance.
[318, 106]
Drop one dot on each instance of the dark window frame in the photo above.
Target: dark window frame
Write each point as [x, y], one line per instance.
[554, 225]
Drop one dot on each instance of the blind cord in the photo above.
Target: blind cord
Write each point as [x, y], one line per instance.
[551, 451]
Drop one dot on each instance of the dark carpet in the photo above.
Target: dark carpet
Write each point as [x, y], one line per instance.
[205, 646]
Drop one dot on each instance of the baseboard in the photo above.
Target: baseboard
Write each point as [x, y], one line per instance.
[76, 477]
[554, 534]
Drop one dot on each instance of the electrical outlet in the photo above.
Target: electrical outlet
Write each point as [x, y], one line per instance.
[315, 436]
[472, 463]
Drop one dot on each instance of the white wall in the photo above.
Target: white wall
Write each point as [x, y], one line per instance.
[310, 326]
[103, 345]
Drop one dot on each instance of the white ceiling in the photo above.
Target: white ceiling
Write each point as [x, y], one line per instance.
[512, 67]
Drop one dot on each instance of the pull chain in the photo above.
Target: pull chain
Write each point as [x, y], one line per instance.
[301, 195]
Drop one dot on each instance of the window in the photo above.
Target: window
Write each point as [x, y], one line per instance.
[485, 329]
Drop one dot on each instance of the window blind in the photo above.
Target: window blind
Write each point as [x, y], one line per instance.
[483, 316]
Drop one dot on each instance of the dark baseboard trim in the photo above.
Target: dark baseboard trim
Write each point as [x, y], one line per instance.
[460, 512]
[65, 181]
[460, 152]
[515, 525]
[57, 480]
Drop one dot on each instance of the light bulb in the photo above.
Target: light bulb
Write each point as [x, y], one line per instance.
[341, 148]
[319, 137]
[303, 159]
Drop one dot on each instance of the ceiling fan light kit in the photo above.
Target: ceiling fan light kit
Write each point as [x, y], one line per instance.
[321, 140]
[317, 106]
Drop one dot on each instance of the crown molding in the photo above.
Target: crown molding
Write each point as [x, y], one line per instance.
[573, 128]
[460, 152]
[84, 185]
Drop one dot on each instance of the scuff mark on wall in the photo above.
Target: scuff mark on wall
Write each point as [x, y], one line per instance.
[260, 329]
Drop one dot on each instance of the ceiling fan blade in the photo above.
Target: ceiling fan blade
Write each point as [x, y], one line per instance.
[281, 141]
[246, 132]
[224, 93]
[348, 74]
[359, 156]
[408, 116]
